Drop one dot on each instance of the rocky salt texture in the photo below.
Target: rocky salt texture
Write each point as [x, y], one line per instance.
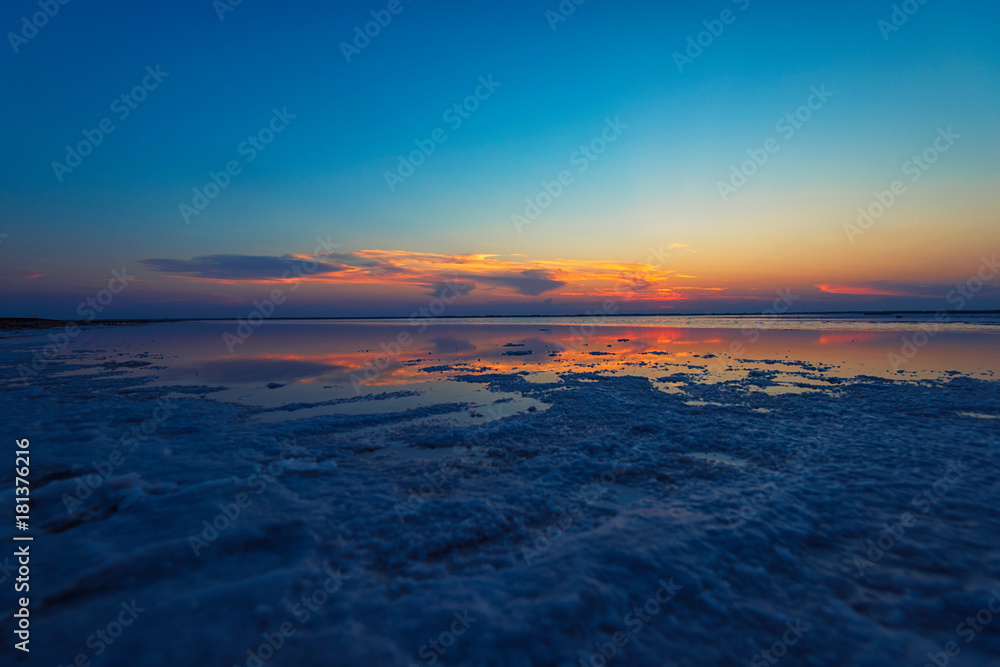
[714, 524]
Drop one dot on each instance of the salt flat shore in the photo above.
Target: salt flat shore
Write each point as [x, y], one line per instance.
[657, 517]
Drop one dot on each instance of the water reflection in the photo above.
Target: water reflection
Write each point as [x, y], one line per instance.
[301, 368]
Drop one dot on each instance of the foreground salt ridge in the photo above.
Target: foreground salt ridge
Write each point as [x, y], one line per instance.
[546, 527]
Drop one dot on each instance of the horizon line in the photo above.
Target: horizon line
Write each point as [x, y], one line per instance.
[497, 316]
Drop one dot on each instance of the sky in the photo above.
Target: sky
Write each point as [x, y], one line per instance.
[200, 158]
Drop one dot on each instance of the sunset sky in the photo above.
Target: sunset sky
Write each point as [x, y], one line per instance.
[626, 149]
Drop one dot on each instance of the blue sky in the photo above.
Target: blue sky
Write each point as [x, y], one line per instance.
[656, 185]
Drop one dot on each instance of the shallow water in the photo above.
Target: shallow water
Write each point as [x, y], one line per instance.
[309, 367]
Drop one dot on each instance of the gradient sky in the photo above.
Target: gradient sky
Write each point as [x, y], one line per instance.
[644, 225]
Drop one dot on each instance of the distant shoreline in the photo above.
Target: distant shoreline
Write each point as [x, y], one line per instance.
[14, 323]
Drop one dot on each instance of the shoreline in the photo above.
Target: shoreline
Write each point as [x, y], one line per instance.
[31, 323]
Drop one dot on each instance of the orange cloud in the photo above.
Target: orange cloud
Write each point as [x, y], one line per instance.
[493, 274]
[859, 290]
